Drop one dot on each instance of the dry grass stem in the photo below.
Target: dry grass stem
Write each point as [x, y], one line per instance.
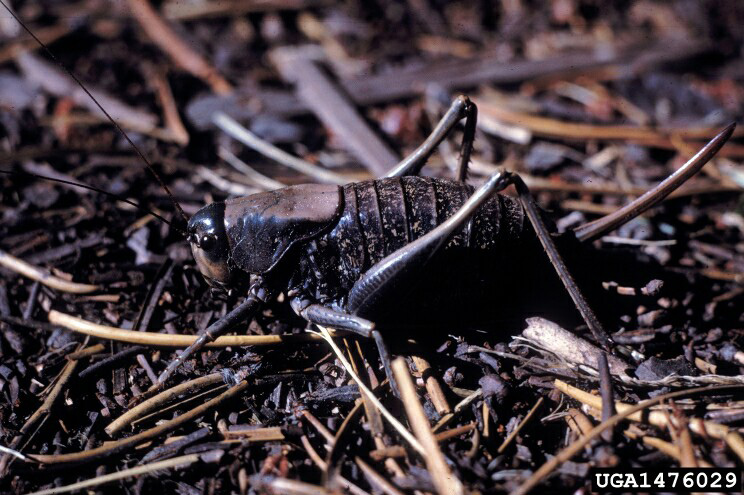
[87, 352]
[375, 479]
[656, 418]
[249, 173]
[231, 127]
[667, 448]
[168, 340]
[268, 434]
[544, 126]
[382, 453]
[171, 116]
[120, 445]
[276, 485]
[46, 406]
[683, 440]
[560, 349]
[444, 481]
[325, 432]
[387, 414]
[176, 462]
[161, 399]
[40, 275]
[521, 425]
[566, 454]
[447, 418]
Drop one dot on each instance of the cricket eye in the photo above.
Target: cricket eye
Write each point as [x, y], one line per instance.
[207, 242]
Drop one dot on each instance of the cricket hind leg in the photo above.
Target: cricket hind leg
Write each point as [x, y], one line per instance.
[543, 234]
[373, 291]
[461, 107]
[594, 229]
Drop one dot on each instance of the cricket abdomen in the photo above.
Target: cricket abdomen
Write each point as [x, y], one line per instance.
[382, 216]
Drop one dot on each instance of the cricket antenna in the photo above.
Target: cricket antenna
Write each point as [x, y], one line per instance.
[108, 116]
[96, 189]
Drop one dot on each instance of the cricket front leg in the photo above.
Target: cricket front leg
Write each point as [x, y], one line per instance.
[245, 311]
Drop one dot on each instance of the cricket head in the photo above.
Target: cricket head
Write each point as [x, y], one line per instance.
[209, 244]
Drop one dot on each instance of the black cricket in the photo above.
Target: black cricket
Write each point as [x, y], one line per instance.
[346, 255]
[343, 254]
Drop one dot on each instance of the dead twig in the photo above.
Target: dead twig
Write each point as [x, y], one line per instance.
[376, 479]
[160, 399]
[444, 481]
[40, 413]
[333, 109]
[46, 406]
[363, 387]
[111, 448]
[55, 82]
[679, 428]
[447, 418]
[176, 462]
[578, 422]
[566, 454]
[269, 434]
[665, 447]
[258, 179]
[40, 275]
[548, 127]
[182, 54]
[239, 132]
[168, 340]
[383, 453]
[433, 386]
[656, 418]
[521, 425]
[569, 347]
[274, 485]
[87, 352]
[171, 116]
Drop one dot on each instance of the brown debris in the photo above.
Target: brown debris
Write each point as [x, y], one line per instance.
[297, 66]
[162, 34]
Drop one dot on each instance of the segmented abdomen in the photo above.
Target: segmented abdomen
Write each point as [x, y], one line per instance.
[382, 216]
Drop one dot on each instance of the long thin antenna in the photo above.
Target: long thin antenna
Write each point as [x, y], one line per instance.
[592, 230]
[92, 188]
[108, 116]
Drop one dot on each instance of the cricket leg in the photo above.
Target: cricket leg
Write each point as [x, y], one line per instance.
[241, 313]
[543, 234]
[401, 268]
[329, 317]
[460, 108]
[325, 316]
